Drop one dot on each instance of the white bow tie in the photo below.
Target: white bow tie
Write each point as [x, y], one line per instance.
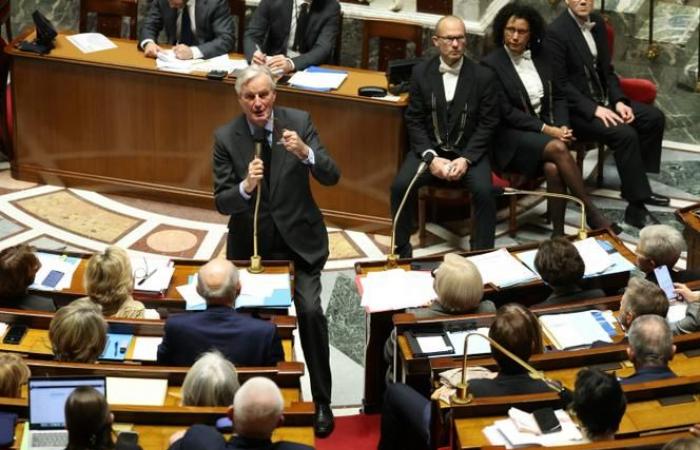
[527, 54]
[444, 68]
[587, 25]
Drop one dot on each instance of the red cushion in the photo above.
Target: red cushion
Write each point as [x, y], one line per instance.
[498, 181]
[638, 89]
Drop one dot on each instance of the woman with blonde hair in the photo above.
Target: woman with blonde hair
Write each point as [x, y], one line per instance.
[13, 374]
[211, 381]
[109, 282]
[459, 289]
[78, 332]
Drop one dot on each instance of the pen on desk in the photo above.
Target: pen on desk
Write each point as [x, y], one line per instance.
[146, 277]
[116, 348]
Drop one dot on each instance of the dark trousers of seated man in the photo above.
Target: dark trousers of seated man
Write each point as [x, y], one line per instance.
[636, 147]
[477, 181]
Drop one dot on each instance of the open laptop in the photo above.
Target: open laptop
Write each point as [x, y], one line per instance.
[47, 400]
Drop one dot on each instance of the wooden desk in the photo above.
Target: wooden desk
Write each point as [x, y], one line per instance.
[110, 122]
[379, 325]
[688, 217]
[171, 299]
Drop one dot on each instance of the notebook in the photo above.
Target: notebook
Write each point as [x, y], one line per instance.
[47, 399]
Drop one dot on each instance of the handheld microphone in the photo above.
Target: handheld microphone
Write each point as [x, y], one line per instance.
[426, 159]
[255, 260]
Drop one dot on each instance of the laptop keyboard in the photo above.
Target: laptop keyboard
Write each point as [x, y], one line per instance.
[50, 439]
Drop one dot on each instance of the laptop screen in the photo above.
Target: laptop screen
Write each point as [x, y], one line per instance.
[47, 399]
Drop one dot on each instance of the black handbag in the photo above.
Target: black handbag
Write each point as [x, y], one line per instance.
[45, 36]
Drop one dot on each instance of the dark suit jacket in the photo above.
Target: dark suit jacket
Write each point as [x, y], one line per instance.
[30, 302]
[213, 22]
[505, 384]
[573, 62]
[572, 294]
[270, 25]
[476, 88]
[203, 437]
[242, 339]
[516, 110]
[287, 203]
[649, 374]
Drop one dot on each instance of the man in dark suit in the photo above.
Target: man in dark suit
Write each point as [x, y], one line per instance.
[242, 339]
[598, 109]
[289, 35]
[256, 412]
[650, 349]
[452, 113]
[641, 297]
[290, 223]
[196, 28]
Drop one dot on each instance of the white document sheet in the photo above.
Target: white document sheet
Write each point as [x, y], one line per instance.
[594, 257]
[432, 344]
[193, 301]
[676, 311]
[152, 274]
[317, 80]
[476, 345]
[502, 269]
[507, 433]
[91, 42]
[61, 263]
[389, 290]
[136, 391]
[575, 329]
[146, 348]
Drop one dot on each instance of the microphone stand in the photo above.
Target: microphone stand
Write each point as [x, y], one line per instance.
[392, 257]
[464, 397]
[255, 260]
[582, 234]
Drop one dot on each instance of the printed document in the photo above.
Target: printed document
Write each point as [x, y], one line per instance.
[91, 42]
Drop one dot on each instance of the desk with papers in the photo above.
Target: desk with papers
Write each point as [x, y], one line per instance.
[380, 324]
[109, 120]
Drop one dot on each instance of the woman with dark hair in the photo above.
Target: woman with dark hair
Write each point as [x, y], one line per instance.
[533, 136]
[18, 267]
[599, 403]
[88, 420]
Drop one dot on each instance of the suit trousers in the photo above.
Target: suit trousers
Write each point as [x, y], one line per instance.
[637, 146]
[477, 180]
[313, 325]
[405, 421]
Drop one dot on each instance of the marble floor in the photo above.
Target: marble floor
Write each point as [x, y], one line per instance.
[53, 217]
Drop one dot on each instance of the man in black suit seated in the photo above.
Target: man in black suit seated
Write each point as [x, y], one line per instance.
[289, 35]
[452, 113]
[406, 413]
[598, 109]
[242, 339]
[196, 28]
[650, 349]
[560, 265]
[662, 245]
[256, 412]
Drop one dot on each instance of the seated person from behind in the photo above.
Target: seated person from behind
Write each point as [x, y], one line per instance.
[109, 282]
[662, 245]
[88, 420]
[256, 412]
[650, 349]
[644, 297]
[406, 413]
[18, 267]
[561, 267]
[289, 35]
[599, 404]
[459, 290]
[242, 339]
[78, 332]
[13, 374]
[211, 381]
[196, 28]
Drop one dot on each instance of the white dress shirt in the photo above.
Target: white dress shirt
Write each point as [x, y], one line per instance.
[529, 76]
[585, 28]
[450, 77]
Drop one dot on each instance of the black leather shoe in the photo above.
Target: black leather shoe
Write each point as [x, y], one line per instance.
[658, 200]
[323, 420]
[639, 216]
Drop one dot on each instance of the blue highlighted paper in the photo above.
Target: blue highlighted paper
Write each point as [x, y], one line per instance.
[280, 298]
[116, 347]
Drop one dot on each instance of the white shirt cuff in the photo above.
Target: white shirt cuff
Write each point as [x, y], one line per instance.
[244, 194]
[311, 159]
[196, 53]
[145, 42]
[430, 150]
[291, 63]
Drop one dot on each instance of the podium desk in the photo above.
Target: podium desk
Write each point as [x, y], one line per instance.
[379, 325]
[110, 122]
[690, 218]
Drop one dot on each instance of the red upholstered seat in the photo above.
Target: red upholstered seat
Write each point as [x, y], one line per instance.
[638, 89]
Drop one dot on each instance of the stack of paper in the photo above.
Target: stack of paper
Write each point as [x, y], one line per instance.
[193, 301]
[91, 42]
[318, 79]
[396, 289]
[510, 432]
[580, 329]
[3, 329]
[152, 274]
[166, 60]
[502, 269]
[136, 391]
[63, 267]
[266, 290]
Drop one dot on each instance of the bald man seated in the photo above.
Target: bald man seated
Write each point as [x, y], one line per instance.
[256, 412]
[242, 339]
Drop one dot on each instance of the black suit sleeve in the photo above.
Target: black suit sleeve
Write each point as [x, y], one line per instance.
[152, 24]
[221, 23]
[416, 120]
[487, 115]
[257, 29]
[322, 49]
[227, 196]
